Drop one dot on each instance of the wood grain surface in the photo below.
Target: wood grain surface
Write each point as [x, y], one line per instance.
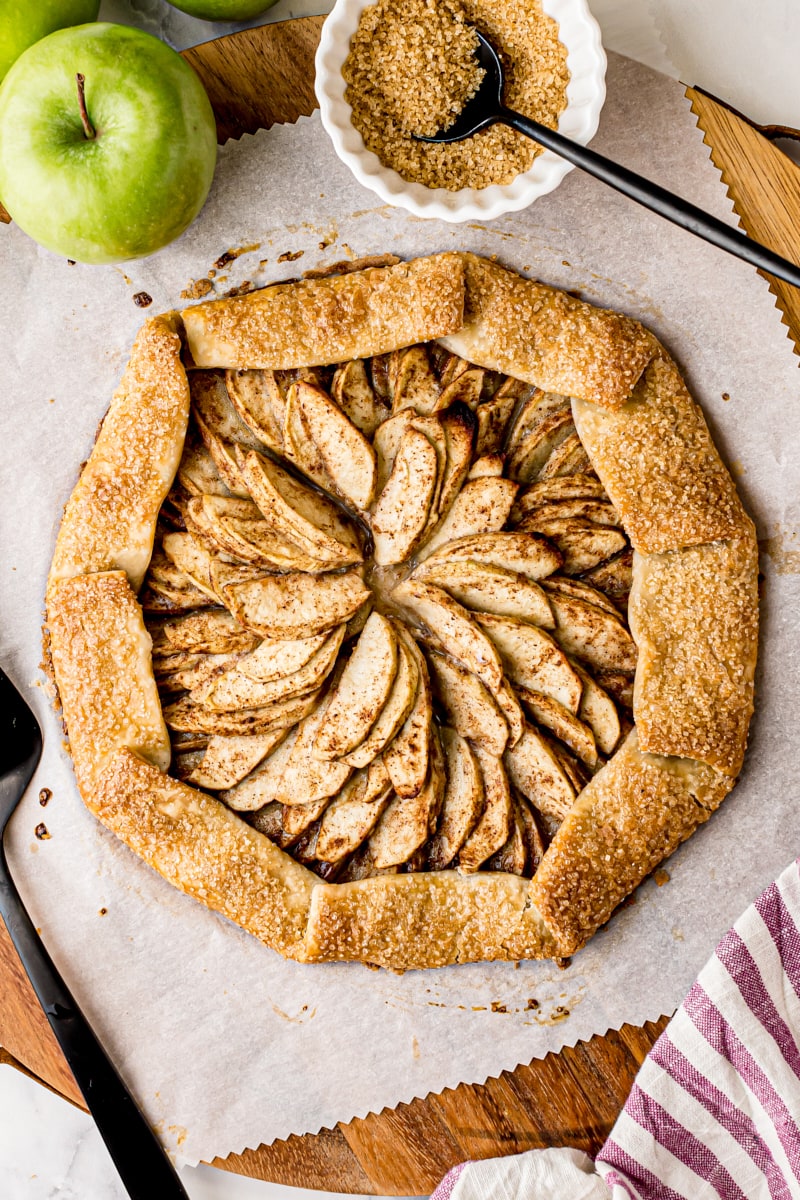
[256, 79]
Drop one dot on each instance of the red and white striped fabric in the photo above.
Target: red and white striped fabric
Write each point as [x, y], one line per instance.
[715, 1108]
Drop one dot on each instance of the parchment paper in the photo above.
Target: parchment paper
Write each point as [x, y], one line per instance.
[225, 1044]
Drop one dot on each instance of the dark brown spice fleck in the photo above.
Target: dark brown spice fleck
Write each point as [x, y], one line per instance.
[41, 832]
[102, 912]
[290, 256]
[44, 796]
[142, 299]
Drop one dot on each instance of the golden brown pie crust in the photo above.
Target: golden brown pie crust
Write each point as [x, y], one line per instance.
[693, 614]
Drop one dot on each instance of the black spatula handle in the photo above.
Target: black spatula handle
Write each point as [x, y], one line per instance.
[137, 1153]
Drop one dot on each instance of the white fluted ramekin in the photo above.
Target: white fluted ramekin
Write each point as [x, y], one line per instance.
[586, 92]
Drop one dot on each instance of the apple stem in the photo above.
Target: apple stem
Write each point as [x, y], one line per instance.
[88, 129]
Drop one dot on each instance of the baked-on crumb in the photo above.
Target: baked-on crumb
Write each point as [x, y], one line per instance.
[411, 69]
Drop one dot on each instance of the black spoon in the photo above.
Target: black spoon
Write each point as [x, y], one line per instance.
[486, 108]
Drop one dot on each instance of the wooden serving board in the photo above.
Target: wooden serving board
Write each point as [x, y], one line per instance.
[256, 79]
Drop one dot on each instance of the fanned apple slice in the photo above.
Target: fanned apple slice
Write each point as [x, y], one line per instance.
[406, 756]
[614, 578]
[528, 554]
[353, 813]
[162, 571]
[203, 519]
[223, 574]
[353, 392]
[562, 585]
[433, 429]
[299, 819]
[386, 443]
[259, 787]
[534, 842]
[599, 712]
[299, 446]
[346, 453]
[409, 821]
[451, 368]
[199, 674]
[509, 705]
[492, 417]
[253, 396]
[226, 761]
[533, 659]
[569, 457]
[599, 512]
[494, 825]
[214, 631]
[468, 703]
[593, 635]
[159, 599]
[536, 447]
[487, 465]
[569, 729]
[489, 589]
[459, 635]
[234, 690]
[412, 381]
[537, 407]
[535, 770]
[296, 605]
[193, 718]
[466, 388]
[401, 514]
[512, 856]
[563, 487]
[482, 506]
[304, 777]
[197, 472]
[301, 512]
[361, 692]
[459, 431]
[214, 413]
[190, 556]
[268, 547]
[274, 658]
[463, 801]
[394, 712]
[582, 543]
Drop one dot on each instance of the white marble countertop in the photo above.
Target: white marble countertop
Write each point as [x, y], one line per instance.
[746, 54]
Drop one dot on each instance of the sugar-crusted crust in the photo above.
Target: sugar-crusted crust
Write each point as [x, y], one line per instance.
[693, 612]
[318, 321]
[110, 519]
[101, 656]
[694, 615]
[662, 471]
[633, 814]
[547, 337]
[204, 849]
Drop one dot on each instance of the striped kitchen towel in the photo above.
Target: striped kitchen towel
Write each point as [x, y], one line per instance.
[715, 1108]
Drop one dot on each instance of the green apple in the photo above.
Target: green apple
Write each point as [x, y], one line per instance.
[23, 22]
[129, 173]
[223, 10]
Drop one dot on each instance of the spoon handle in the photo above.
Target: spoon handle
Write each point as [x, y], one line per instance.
[656, 198]
[138, 1155]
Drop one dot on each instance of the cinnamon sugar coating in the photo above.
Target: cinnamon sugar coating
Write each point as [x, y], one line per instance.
[313, 322]
[694, 615]
[110, 519]
[660, 467]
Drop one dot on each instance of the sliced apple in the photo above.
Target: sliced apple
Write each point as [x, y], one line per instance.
[299, 819]
[401, 514]
[185, 716]
[257, 399]
[353, 392]
[260, 786]
[465, 388]
[451, 367]
[386, 443]
[492, 417]
[534, 842]
[614, 578]
[535, 770]
[459, 430]
[234, 690]
[528, 554]
[394, 712]
[533, 659]
[512, 856]
[532, 453]
[600, 512]
[274, 658]
[494, 825]
[458, 634]
[299, 446]
[264, 545]
[304, 777]
[268, 820]
[482, 506]
[347, 455]
[599, 712]
[215, 415]
[489, 589]
[412, 381]
[197, 472]
[300, 512]
[463, 801]
[362, 690]
[561, 585]
[582, 543]
[488, 464]
[434, 431]
[567, 458]
[199, 674]
[563, 724]
[593, 635]
[227, 761]
[408, 822]
[213, 632]
[406, 756]
[509, 705]
[469, 704]
[190, 556]
[353, 813]
[225, 573]
[296, 605]
[536, 408]
[564, 487]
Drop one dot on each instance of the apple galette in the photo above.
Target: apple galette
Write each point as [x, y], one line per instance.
[406, 615]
